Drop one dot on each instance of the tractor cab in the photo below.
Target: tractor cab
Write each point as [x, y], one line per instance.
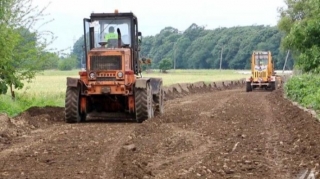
[261, 61]
[107, 37]
[109, 31]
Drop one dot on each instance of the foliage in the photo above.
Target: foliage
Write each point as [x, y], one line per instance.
[51, 62]
[165, 64]
[300, 22]
[78, 51]
[199, 48]
[304, 89]
[68, 63]
[22, 45]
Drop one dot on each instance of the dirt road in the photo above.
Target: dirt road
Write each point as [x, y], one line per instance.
[225, 134]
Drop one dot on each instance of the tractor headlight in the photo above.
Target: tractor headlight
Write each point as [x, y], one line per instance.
[120, 74]
[92, 75]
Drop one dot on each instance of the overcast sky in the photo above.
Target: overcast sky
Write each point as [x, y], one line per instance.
[154, 15]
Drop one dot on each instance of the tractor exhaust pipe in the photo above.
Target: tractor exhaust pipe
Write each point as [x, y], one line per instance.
[119, 37]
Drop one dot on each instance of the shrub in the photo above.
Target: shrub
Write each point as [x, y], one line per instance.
[165, 64]
[305, 90]
[67, 63]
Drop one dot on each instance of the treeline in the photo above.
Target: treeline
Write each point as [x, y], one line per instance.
[200, 48]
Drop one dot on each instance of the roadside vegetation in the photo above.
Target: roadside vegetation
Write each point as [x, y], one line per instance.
[305, 90]
[300, 23]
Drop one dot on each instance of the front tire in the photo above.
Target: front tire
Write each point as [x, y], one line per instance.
[248, 87]
[72, 114]
[143, 103]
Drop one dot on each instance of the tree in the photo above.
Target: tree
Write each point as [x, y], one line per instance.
[22, 44]
[68, 63]
[78, 51]
[51, 62]
[300, 22]
[8, 40]
[165, 64]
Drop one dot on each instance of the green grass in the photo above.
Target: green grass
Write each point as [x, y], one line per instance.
[24, 101]
[190, 76]
[305, 90]
[48, 88]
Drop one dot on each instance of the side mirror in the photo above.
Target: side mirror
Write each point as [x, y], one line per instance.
[139, 39]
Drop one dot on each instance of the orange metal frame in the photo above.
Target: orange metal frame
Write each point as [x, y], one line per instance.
[122, 86]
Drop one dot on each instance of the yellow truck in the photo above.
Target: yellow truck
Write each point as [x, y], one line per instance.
[263, 75]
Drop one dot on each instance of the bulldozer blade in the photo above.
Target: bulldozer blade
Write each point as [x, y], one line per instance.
[109, 116]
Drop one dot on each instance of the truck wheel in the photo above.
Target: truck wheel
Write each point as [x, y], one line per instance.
[72, 105]
[273, 85]
[143, 103]
[158, 99]
[248, 87]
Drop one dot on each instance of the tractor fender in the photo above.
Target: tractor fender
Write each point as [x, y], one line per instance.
[156, 84]
[142, 82]
[72, 82]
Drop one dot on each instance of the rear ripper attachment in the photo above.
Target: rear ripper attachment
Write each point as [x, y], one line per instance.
[110, 87]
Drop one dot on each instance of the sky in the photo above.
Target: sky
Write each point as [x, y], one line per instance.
[154, 15]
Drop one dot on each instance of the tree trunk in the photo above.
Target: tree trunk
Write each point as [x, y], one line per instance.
[13, 96]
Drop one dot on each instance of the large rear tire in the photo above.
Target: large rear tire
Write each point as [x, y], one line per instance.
[158, 99]
[72, 114]
[143, 103]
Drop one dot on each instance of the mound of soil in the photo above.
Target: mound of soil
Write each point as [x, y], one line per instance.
[31, 119]
[184, 89]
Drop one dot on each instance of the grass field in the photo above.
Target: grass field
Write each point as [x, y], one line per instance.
[48, 88]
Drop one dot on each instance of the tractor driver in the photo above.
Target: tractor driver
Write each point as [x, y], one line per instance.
[260, 62]
[111, 37]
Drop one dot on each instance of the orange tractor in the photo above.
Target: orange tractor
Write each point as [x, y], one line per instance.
[110, 86]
